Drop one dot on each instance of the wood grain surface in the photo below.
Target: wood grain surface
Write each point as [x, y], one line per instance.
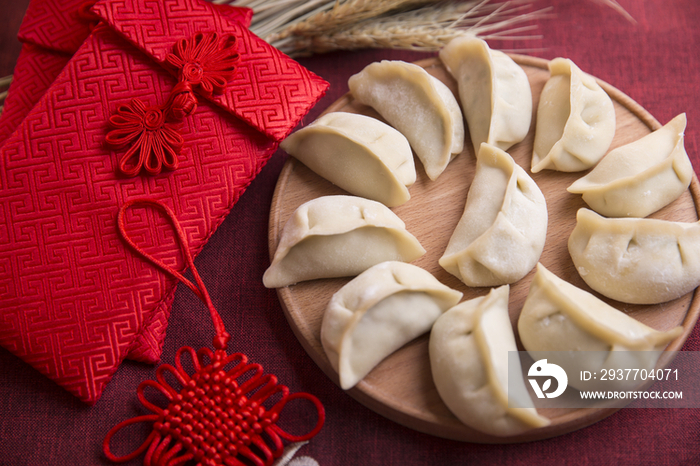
[401, 387]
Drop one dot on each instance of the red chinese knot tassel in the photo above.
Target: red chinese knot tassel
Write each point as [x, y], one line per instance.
[155, 142]
[222, 414]
[205, 63]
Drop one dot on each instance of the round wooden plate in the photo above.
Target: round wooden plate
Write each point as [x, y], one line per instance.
[401, 387]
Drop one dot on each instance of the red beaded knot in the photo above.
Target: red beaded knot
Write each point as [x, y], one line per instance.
[225, 409]
[218, 415]
[204, 63]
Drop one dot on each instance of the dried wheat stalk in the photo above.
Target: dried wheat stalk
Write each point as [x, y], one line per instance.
[346, 14]
[427, 28]
[4, 85]
[302, 27]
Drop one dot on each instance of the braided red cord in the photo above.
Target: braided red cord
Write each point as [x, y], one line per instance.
[213, 418]
[222, 337]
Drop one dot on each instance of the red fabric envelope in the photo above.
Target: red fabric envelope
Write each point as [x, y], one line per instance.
[52, 31]
[35, 70]
[73, 299]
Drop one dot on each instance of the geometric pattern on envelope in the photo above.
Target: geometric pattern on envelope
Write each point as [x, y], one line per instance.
[73, 298]
[34, 72]
[52, 31]
[54, 24]
[269, 90]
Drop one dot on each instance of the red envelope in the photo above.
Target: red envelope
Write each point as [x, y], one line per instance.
[35, 70]
[73, 299]
[52, 31]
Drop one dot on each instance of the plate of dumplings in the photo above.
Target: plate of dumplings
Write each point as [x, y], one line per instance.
[443, 212]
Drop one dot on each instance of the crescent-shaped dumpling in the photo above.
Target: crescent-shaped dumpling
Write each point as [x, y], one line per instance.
[468, 348]
[494, 92]
[575, 120]
[360, 154]
[417, 104]
[377, 313]
[577, 329]
[338, 236]
[639, 178]
[636, 260]
[501, 234]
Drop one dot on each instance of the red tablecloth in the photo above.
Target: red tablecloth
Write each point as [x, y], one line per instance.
[656, 62]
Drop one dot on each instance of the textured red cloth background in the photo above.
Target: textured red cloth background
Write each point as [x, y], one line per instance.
[656, 62]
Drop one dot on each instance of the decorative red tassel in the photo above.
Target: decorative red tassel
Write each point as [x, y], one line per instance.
[219, 413]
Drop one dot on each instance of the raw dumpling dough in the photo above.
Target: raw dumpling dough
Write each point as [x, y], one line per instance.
[419, 105]
[338, 236]
[494, 91]
[377, 313]
[584, 333]
[636, 260]
[575, 120]
[501, 234]
[469, 347]
[639, 178]
[362, 155]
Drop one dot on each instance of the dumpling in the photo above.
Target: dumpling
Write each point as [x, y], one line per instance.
[636, 260]
[360, 154]
[580, 332]
[377, 313]
[494, 91]
[501, 234]
[338, 236]
[575, 120]
[419, 105]
[639, 178]
[469, 347]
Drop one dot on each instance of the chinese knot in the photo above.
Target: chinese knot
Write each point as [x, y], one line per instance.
[203, 63]
[222, 414]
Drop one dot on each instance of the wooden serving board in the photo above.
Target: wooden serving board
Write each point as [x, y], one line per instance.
[401, 387]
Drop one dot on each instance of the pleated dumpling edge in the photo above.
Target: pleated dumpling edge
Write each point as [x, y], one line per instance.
[636, 260]
[575, 120]
[360, 154]
[502, 232]
[378, 312]
[338, 236]
[417, 104]
[494, 92]
[469, 358]
[576, 330]
[641, 177]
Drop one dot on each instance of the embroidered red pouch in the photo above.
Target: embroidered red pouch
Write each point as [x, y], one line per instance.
[51, 32]
[74, 302]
